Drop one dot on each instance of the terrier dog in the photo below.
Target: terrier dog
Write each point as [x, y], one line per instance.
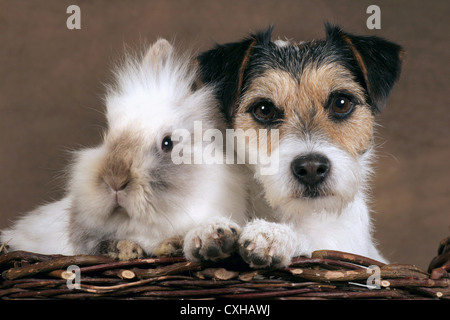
[322, 96]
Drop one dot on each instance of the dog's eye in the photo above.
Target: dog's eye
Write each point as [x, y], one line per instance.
[265, 112]
[167, 144]
[341, 106]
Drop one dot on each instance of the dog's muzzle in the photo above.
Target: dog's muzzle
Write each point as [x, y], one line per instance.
[311, 170]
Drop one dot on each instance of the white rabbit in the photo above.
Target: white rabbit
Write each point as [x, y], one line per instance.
[126, 197]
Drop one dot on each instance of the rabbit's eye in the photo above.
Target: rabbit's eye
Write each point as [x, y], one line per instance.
[167, 144]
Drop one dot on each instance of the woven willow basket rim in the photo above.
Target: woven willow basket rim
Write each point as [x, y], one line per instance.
[325, 275]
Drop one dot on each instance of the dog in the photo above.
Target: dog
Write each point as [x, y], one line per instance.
[321, 97]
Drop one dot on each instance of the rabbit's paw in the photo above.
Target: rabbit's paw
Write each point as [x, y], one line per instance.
[266, 244]
[121, 249]
[211, 241]
[169, 247]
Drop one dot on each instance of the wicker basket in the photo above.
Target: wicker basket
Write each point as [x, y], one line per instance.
[326, 275]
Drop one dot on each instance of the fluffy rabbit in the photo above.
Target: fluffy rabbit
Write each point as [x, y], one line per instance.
[127, 197]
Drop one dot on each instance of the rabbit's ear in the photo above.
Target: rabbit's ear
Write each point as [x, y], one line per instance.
[158, 53]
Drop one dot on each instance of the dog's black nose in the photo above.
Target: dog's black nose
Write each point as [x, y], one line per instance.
[310, 169]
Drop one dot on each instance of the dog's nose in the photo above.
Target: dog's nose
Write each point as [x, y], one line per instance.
[310, 169]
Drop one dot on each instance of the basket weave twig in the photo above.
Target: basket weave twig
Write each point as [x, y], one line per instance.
[326, 275]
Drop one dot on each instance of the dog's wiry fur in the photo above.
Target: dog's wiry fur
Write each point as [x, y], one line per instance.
[302, 83]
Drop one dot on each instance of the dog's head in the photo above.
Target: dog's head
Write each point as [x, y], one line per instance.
[321, 96]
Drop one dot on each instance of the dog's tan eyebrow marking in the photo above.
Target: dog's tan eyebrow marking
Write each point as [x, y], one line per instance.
[360, 61]
[241, 74]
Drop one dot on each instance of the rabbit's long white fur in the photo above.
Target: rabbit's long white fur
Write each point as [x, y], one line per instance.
[43, 230]
[128, 188]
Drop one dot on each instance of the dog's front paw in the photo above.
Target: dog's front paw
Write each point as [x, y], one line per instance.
[121, 249]
[267, 244]
[211, 241]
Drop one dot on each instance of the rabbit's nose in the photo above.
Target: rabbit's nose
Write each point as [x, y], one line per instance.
[123, 186]
[117, 185]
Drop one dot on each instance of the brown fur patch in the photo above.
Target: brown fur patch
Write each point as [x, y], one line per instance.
[169, 247]
[360, 61]
[241, 71]
[121, 249]
[117, 167]
[303, 103]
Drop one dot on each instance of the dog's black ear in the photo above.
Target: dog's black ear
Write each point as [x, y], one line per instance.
[378, 60]
[224, 67]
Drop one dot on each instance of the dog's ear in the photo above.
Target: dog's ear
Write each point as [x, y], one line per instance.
[224, 67]
[378, 60]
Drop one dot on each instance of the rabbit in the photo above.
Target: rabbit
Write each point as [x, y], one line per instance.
[127, 198]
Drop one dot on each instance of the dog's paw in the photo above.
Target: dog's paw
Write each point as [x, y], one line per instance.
[121, 249]
[267, 244]
[211, 241]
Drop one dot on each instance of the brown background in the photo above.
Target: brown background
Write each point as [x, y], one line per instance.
[51, 84]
